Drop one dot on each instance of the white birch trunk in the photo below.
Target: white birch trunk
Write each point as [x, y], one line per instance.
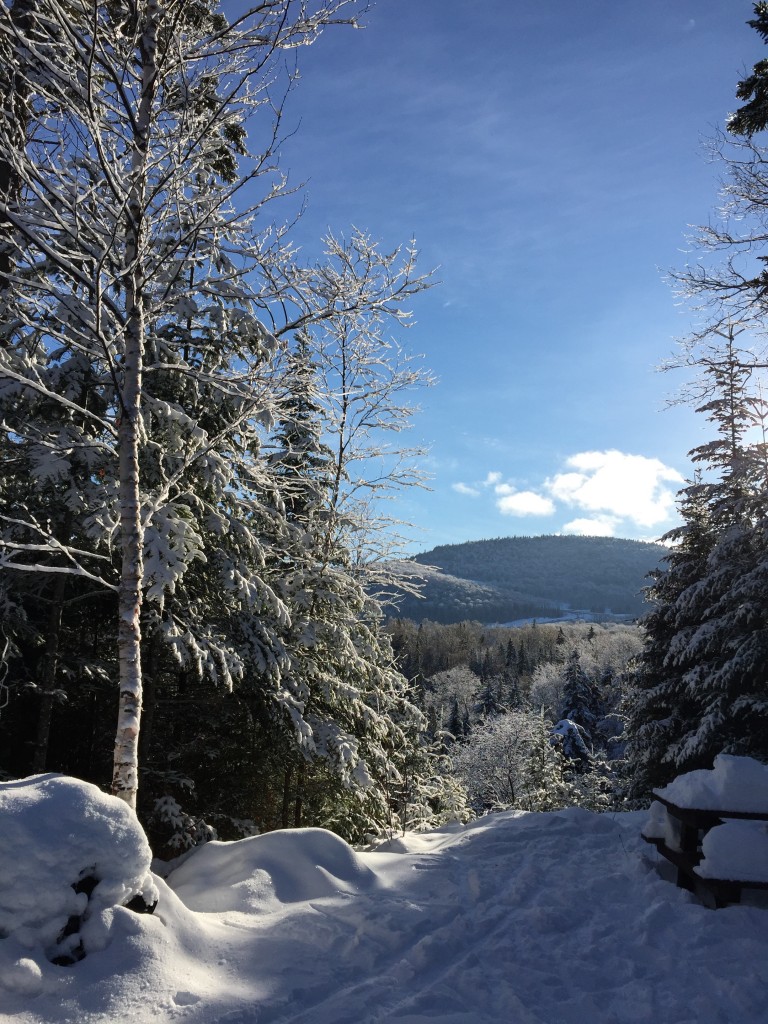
[125, 779]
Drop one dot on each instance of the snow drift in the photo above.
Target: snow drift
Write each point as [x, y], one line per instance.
[69, 855]
[531, 918]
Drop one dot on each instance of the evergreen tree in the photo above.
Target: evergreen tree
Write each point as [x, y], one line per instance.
[455, 720]
[302, 462]
[580, 701]
[733, 289]
[699, 673]
[136, 367]
[753, 116]
[547, 786]
[356, 712]
[659, 708]
[513, 697]
[489, 698]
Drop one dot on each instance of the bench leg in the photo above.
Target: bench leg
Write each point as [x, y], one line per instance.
[689, 847]
[685, 881]
[725, 893]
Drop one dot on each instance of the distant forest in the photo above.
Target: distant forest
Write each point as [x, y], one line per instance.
[511, 578]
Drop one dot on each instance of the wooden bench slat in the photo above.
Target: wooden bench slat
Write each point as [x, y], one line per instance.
[696, 820]
[704, 814]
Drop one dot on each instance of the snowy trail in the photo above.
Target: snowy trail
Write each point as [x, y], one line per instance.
[500, 934]
[530, 918]
[520, 918]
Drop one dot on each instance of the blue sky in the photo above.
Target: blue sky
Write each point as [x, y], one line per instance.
[548, 158]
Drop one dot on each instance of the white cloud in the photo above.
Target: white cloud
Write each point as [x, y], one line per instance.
[524, 503]
[491, 479]
[460, 488]
[600, 526]
[618, 486]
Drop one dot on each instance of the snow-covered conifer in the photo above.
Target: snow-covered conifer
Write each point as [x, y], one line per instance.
[697, 674]
[130, 309]
[580, 698]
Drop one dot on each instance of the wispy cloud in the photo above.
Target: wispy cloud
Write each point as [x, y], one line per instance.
[460, 488]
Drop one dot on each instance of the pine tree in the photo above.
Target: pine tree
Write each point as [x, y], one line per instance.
[580, 702]
[301, 460]
[753, 116]
[660, 709]
[733, 289]
[699, 674]
[455, 723]
[513, 697]
[547, 786]
[359, 727]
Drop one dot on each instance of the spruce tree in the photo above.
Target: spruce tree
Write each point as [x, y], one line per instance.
[699, 673]
[580, 701]
[359, 728]
[752, 117]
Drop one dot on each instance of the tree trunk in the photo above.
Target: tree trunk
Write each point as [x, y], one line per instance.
[125, 775]
[299, 804]
[49, 664]
[126, 763]
[286, 810]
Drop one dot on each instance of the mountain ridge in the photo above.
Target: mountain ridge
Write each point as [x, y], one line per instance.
[509, 578]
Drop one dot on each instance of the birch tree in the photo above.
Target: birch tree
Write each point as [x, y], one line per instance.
[124, 256]
[146, 300]
[351, 304]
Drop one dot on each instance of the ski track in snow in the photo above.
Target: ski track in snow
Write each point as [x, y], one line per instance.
[522, 918]
[502, 929]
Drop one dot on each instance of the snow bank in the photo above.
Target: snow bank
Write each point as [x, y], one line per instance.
[531, 918]
[254, 875]
[661, 825]
[69, 854]
[733, 784]
[736, 850]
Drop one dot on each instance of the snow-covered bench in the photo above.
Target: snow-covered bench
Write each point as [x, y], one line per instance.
[713, 826]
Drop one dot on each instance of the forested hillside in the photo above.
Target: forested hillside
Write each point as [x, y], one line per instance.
[511, 578]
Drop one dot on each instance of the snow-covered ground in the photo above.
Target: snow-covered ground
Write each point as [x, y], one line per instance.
[516, 918]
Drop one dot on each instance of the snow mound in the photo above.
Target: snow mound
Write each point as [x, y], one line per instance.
[69, 854]
[661, 825]
[571, 737]
[254, 875]
[736, 850]
[516, 917]
[734, 784]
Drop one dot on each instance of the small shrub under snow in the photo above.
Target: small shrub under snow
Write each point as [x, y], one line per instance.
[68, 855]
